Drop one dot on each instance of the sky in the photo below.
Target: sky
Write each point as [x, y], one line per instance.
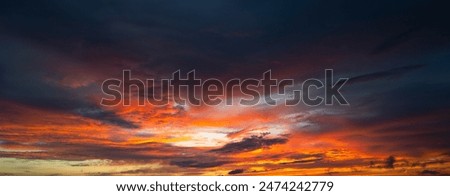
[54, 56]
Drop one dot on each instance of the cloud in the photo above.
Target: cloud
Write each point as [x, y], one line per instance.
[391, 73]
[236, 171]
[199, 162]
[390, 162]
[29, 80]
[55, 75]
[305, 158]
[249, 144]
[394, 41]
[108, 117]
[429, 173]
[236, 134]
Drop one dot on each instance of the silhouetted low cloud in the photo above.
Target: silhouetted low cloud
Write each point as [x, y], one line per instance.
[28, 85]
[249, 144]
[394, 41]
[199, 163]
[236, 171]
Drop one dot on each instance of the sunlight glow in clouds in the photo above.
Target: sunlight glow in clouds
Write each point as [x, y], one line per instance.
[55, 56]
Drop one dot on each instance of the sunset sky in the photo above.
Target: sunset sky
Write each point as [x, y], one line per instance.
[54, 56]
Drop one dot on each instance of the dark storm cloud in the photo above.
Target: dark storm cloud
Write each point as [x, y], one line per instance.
[249, 144]
[43, 41]
[104, 116]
